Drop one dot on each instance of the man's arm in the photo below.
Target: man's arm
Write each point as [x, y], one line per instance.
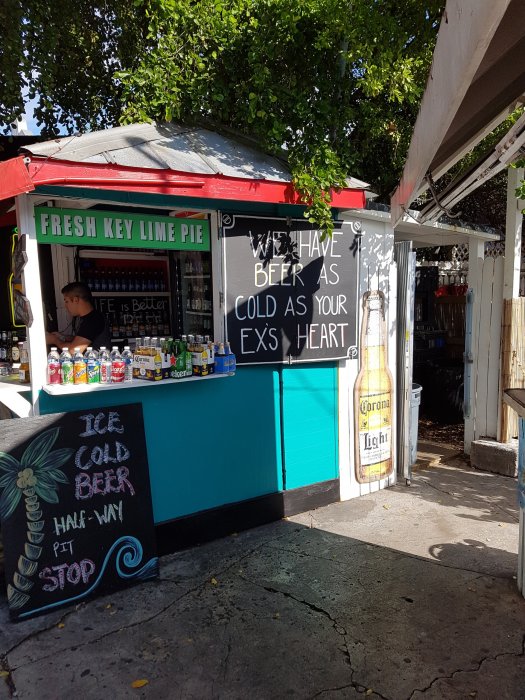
[77, 342]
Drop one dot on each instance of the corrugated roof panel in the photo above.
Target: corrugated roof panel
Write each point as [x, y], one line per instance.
[164, 146]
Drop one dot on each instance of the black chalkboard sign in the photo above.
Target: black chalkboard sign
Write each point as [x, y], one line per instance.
[290, 295]
[76, 507]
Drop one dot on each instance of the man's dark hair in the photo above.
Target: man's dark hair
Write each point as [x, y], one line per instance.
[78, 289]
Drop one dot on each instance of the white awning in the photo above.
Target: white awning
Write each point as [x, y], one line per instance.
[476, 80]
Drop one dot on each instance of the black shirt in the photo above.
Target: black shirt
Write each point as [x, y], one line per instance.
[93, 327]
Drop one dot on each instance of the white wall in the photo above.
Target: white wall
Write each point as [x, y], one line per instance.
[377, 270]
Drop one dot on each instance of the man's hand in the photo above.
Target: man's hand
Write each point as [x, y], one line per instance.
[53, 338]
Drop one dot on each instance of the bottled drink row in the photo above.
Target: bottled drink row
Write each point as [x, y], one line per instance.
[198, 297]
[9, 347]
[120, 279]
[91, 367]
[153, 359]
[197, 266]
[126, 325]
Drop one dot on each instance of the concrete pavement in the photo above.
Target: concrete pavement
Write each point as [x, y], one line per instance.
[407, 593]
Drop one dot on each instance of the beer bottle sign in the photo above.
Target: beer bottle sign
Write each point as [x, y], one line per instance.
[373, 396]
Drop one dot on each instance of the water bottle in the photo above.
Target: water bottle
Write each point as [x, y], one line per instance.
[105, 366]
[92, 366]
[79, 367]
[231, 360]
[127, 357]
[66, 367]
[117, 366]
[53, 367]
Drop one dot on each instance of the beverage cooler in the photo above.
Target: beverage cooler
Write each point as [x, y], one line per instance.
[149, 294]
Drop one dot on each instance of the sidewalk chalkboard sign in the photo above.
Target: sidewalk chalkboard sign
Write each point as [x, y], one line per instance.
[76, 507]
[290, 295]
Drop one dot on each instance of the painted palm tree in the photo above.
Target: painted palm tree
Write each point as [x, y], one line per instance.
[35, 476]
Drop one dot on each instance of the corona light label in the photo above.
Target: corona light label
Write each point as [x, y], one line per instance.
[373, 397]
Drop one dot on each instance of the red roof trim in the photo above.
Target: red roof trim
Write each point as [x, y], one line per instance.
[116, 177]
[14, 178]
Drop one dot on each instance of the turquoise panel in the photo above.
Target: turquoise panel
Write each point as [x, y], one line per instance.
[209, 442]
[310, 424]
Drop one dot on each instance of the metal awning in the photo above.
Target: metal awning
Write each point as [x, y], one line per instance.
[476, 80]
[427, 235]
[167, 159]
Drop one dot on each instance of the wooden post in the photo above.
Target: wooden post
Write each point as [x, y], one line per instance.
[476, 254]
[512, 351]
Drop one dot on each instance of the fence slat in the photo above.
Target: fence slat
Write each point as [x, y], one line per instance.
[493, 377]
[483, 349]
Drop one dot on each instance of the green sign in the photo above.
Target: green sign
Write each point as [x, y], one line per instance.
[120, 229]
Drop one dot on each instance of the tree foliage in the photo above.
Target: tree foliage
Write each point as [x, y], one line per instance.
[335, 84]
[63, 55]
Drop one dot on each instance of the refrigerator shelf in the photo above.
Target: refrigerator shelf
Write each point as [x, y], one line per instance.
[130, 294]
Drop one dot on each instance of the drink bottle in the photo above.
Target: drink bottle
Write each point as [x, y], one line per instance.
[117, 366]
[66, 367]
[221, 360]
[231, 360]
[79, 367]
[15, 352]
[92, 366]
[53, 367]
[3, 346]
[105, 366]
[127, 357]
[23, 371]
[373, 394]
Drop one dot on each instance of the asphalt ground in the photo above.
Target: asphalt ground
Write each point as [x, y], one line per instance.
[407, 593]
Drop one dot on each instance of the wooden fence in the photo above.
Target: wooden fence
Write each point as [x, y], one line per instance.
[512, 362]
[484, 389]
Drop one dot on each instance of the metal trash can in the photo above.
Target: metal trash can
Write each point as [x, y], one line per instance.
[415, 400]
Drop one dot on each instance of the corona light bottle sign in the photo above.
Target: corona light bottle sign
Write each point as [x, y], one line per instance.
[373, 396]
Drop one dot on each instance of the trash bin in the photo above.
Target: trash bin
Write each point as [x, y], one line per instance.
[415, 400]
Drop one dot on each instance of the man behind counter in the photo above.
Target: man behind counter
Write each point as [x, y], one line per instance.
[89, 325]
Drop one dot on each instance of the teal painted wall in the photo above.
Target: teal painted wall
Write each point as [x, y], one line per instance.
[219, 441]
[310, 424]
[209, 442]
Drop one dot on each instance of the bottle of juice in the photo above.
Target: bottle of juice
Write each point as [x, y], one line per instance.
[66, 367]
[79, 367]
[53, 367]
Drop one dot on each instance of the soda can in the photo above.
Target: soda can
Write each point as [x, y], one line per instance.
[118, 368]
[53, 373]
[80, 372]
[93, 372]
[66, 371]
[105, 372]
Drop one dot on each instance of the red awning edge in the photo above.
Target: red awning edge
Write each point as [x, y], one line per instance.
[14, 178]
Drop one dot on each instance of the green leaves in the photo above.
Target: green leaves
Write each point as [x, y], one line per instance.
[334, 85]
[306, 78]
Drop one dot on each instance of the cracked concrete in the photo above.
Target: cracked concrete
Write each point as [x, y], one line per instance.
[404, 594]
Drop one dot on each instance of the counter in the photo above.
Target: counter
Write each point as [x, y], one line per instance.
[68, 389]
[15, 396]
